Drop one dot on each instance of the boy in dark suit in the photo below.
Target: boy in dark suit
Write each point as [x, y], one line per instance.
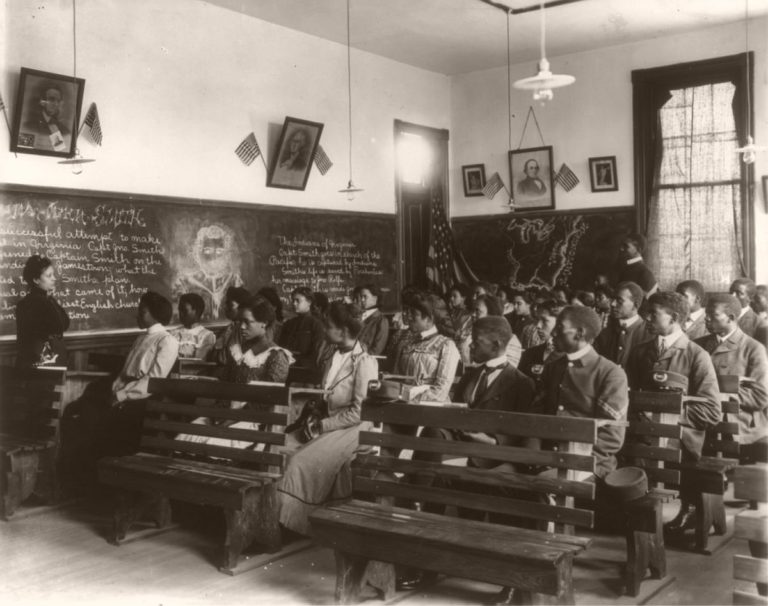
[671, 355]
[632, 267]
[734, 353]
[744, 289]
[626, 329]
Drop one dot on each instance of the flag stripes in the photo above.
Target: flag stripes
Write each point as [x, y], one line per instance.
[322, 161]
[248, 150]
[446, 265]
[493, 186]
[94, 124]
[566, 178]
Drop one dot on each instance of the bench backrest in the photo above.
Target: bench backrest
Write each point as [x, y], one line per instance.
[722, 440]
[176, 403]
[468, 486]
[653, 421]
[31, 400]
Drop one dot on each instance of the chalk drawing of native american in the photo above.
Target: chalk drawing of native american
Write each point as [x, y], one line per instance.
[213, 265]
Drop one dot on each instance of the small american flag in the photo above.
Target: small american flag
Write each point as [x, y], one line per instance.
[493, 186]
[322, 161]
[93, 123]
[248, 150]
[566, 178]
[446, 265]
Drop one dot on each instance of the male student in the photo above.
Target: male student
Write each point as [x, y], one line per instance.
[694, 293]
[582, 383]
[626, 329]
[734, 353]
[493, 384]
[632, 267]
[152, 355]
[672, 362]
[744, 289]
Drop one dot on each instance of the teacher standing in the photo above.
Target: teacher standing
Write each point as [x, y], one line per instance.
[40, 320]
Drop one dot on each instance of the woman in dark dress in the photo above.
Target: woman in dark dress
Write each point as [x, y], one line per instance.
[40, 320]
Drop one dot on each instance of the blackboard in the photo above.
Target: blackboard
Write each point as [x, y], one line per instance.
[541, 250]
[110, 248]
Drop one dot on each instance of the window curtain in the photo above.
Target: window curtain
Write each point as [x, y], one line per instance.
[694, 220]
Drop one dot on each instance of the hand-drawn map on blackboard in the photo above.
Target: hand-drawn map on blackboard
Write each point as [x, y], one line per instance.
[543, 250]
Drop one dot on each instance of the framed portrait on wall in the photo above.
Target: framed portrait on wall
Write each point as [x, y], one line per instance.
[47, 114]
[530, 172]
[295, 150]
[473, 176]
[602, 174]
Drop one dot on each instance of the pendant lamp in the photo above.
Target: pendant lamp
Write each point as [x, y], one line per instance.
[750, 149]
[542, 83]
[350, 189]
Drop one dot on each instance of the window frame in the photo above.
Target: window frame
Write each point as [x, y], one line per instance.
[647, 85]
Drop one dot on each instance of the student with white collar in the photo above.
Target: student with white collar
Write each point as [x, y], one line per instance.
[671, 361]
[626, 328]
[734, 353]
[744, 290]
[632, 267]
[694, 293]
[195, 340]
[375, 332]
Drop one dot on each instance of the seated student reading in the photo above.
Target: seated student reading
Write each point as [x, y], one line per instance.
[375, 332]
[632, 267]
[303, 334]
[430, 357]
[671, 361]
[461, 320]
[230, 336]
[152, 355]
[488, 305]
[734, 353]
[694, 325]
[533, 359]
[195, 340]
[318, 471]
[626, 329]
[744, 290]
[40, 320]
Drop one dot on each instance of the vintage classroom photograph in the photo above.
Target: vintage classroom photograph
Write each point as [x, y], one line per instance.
[411, 302]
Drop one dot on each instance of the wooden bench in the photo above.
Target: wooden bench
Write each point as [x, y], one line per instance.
[751, 484]
[370, 537]
[30, 411]
[240, 481]
[654, 420]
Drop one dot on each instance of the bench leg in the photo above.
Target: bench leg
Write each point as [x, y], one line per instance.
[258, 521]
[718, 515]
[132, 506]
[645, 545]
[19, 472]
[381, 576]
[564, 588]
[350, 571]
[759, 550]
[638, 560]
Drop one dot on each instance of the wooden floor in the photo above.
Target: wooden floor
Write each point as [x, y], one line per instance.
[61, 556]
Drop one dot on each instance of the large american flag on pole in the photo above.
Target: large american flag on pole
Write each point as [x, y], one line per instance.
[446, 265]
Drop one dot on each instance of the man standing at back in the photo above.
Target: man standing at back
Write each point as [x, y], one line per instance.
[632, 267]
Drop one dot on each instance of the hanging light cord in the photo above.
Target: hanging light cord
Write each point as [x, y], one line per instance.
[349, 91]
[74, 38]
[542, 25]
[509, 88]
[749, 101]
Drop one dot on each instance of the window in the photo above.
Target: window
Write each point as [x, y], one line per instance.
[692, 195]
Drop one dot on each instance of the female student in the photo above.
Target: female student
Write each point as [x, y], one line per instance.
[152, 355]
[375, 331]
[228, 343]
[429, 356]
[461, 319]
[40, 320]
[195, 340]
[303, 334]
[318, 472]
[270, 294]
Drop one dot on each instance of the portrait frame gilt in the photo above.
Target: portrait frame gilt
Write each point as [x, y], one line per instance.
[291, 166]
[47, 114]
[532, 189]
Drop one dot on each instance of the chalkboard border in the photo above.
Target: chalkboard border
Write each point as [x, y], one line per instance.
[594, 210]
[100, 337]
[94, 193]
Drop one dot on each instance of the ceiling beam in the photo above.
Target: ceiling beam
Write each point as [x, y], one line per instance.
[527, 9]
